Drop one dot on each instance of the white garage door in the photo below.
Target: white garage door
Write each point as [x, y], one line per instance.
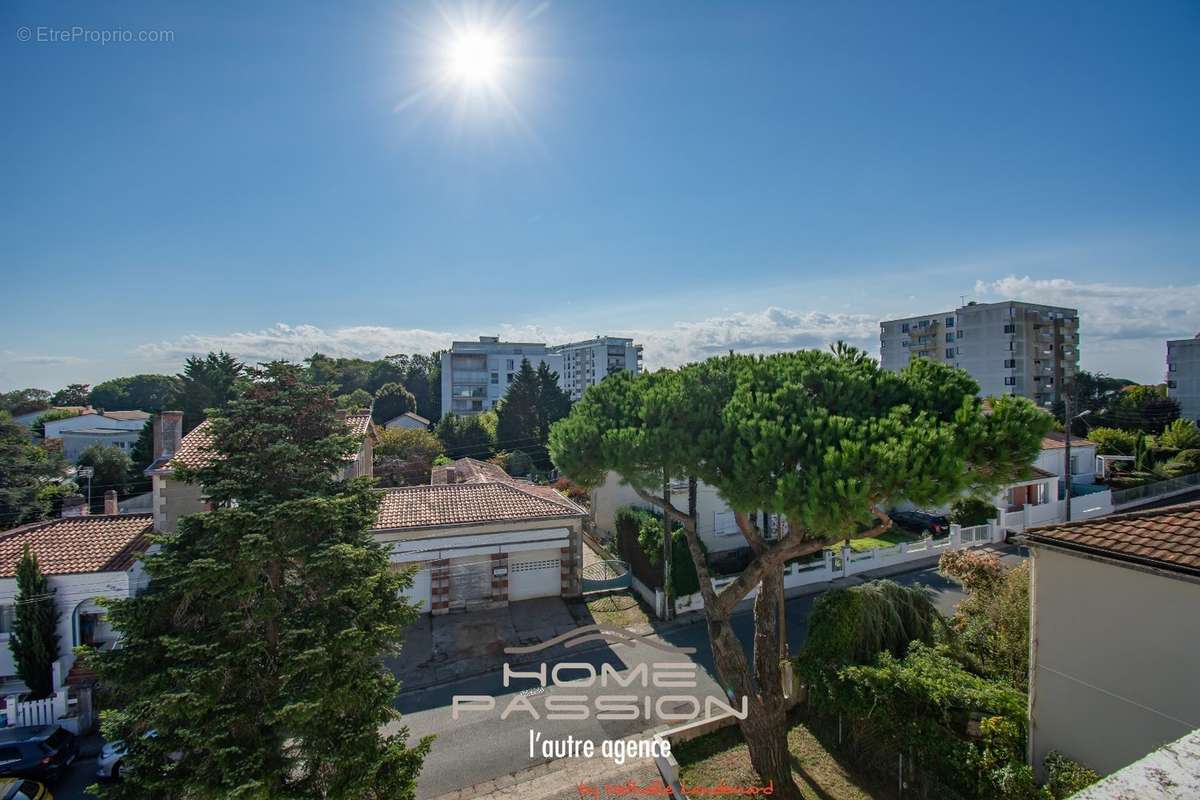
[534, 574]
[419, 591]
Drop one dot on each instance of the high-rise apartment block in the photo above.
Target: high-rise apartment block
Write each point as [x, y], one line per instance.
[588, 362]
[1008, 348]
[1183, 375]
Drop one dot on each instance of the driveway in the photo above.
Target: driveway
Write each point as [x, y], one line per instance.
[447, 647]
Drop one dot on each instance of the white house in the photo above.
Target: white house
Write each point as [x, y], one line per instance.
[116, 420]
[482, 543]
[80, 439]
[409, 420]
[715, 523]
[84, 558]
[1083, 457]
[1114, 636]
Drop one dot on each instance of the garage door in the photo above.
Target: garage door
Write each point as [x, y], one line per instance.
[470, 581]
[418, 592]
[534, 574]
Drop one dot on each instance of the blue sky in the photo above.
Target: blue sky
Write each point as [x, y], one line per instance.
[300, 176]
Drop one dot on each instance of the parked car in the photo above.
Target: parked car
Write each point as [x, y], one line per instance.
[920, 522]
[111, 761]
[21, 789]
[37, 751]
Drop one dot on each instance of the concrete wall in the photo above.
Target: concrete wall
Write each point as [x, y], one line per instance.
[1183, 376]
[1115, 655]
[174, 499]
[714, 518]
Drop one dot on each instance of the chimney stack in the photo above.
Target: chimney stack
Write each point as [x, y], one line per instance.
[168, 432]
[74, 505]
[110, 502]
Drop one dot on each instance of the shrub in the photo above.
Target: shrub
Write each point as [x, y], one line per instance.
[1181, 434]
[1191, 458]
[968, 511]
[1065, 777]
[646, 526]
[992, 623]
[571, 489]
[519, 463]
[1113, 441]
[975, 570]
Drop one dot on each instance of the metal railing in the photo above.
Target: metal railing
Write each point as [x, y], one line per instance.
[1125, 496]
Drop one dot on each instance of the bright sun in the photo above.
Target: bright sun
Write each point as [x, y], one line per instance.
[476, 57]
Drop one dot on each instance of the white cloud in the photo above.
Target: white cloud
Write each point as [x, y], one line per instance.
[296, 342]
[770, 330]
[1109, 312]
[41, 361]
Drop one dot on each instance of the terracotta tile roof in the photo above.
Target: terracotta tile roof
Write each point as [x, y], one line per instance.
[465, 504]
[195, 450]
[74, 545]
[469, 470]
[1057, 441]
[1168, 538]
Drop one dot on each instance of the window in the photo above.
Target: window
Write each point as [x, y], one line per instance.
[1010, 363]
[724, 524]
[1010, 381]
[495, 378]
[949, 352]
[510, 377]
[904, 327]
[924, 323]
[508, 364]
[1011, 346]
[1171, 385]
[1010, 328]
[949, 337]
[949, 322]
[1171, 367]
[7, 614]
[923, 340]
[958, 334]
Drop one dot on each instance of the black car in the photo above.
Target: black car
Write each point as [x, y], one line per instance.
[920, 522]
[36, 751]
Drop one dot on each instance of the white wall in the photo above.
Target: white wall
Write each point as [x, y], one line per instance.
[1183, 370]
[1053, 459]
[714, 518]
[1115, 658]
[54, 429]
[73, 593]
[75, 442]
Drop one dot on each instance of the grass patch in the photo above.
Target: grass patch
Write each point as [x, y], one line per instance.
[619, 609]
[889, 538]
[723, 758]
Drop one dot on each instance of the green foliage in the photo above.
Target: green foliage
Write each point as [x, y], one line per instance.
[1181, 434]
[420, 374]
[1065, 777]
[152, 393]
[208, 383]
[1141, 453]
[970, 511]
[647, 527]
[76, 394]
[532, 403]
[392, 400]
[23, 401]
[112, 465]
[992, 623]
[515, 462]
[442, 460]
[53, 415]
[1113, 441]
[921, 704]
[404, 456]
[25, 469]
[257, 652]
[34, 638]
[852, 626]
[464, 436]
[357, 400]
[51, 496]
[1142, 408]
[818, 437]
[1189, 459]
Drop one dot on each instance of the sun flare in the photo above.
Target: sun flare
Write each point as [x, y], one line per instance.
[476, 57]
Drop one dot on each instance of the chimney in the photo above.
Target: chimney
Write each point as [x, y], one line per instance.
[110, 502]
[74, 505]
[168, 432]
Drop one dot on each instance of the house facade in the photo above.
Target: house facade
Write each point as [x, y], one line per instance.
[74, 442]
[715, 523]
[408, 420]
[482, 544]
[84, 558]
[173, 498]
[106, 420]
[1114, 636]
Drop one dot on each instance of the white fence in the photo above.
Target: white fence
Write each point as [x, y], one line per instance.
[1085, 506]
[1136, 496]
[830, 565]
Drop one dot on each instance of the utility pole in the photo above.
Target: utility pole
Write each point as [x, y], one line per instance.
[87, 472]
[668, 601]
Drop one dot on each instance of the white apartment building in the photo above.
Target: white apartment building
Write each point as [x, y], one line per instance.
[588, 362]
[1008, 347]
[475, 375]
[1183, 375]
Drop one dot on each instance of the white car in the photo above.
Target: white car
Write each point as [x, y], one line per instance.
[108, 764]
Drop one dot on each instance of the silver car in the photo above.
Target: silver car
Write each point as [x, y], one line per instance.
[108, 765]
